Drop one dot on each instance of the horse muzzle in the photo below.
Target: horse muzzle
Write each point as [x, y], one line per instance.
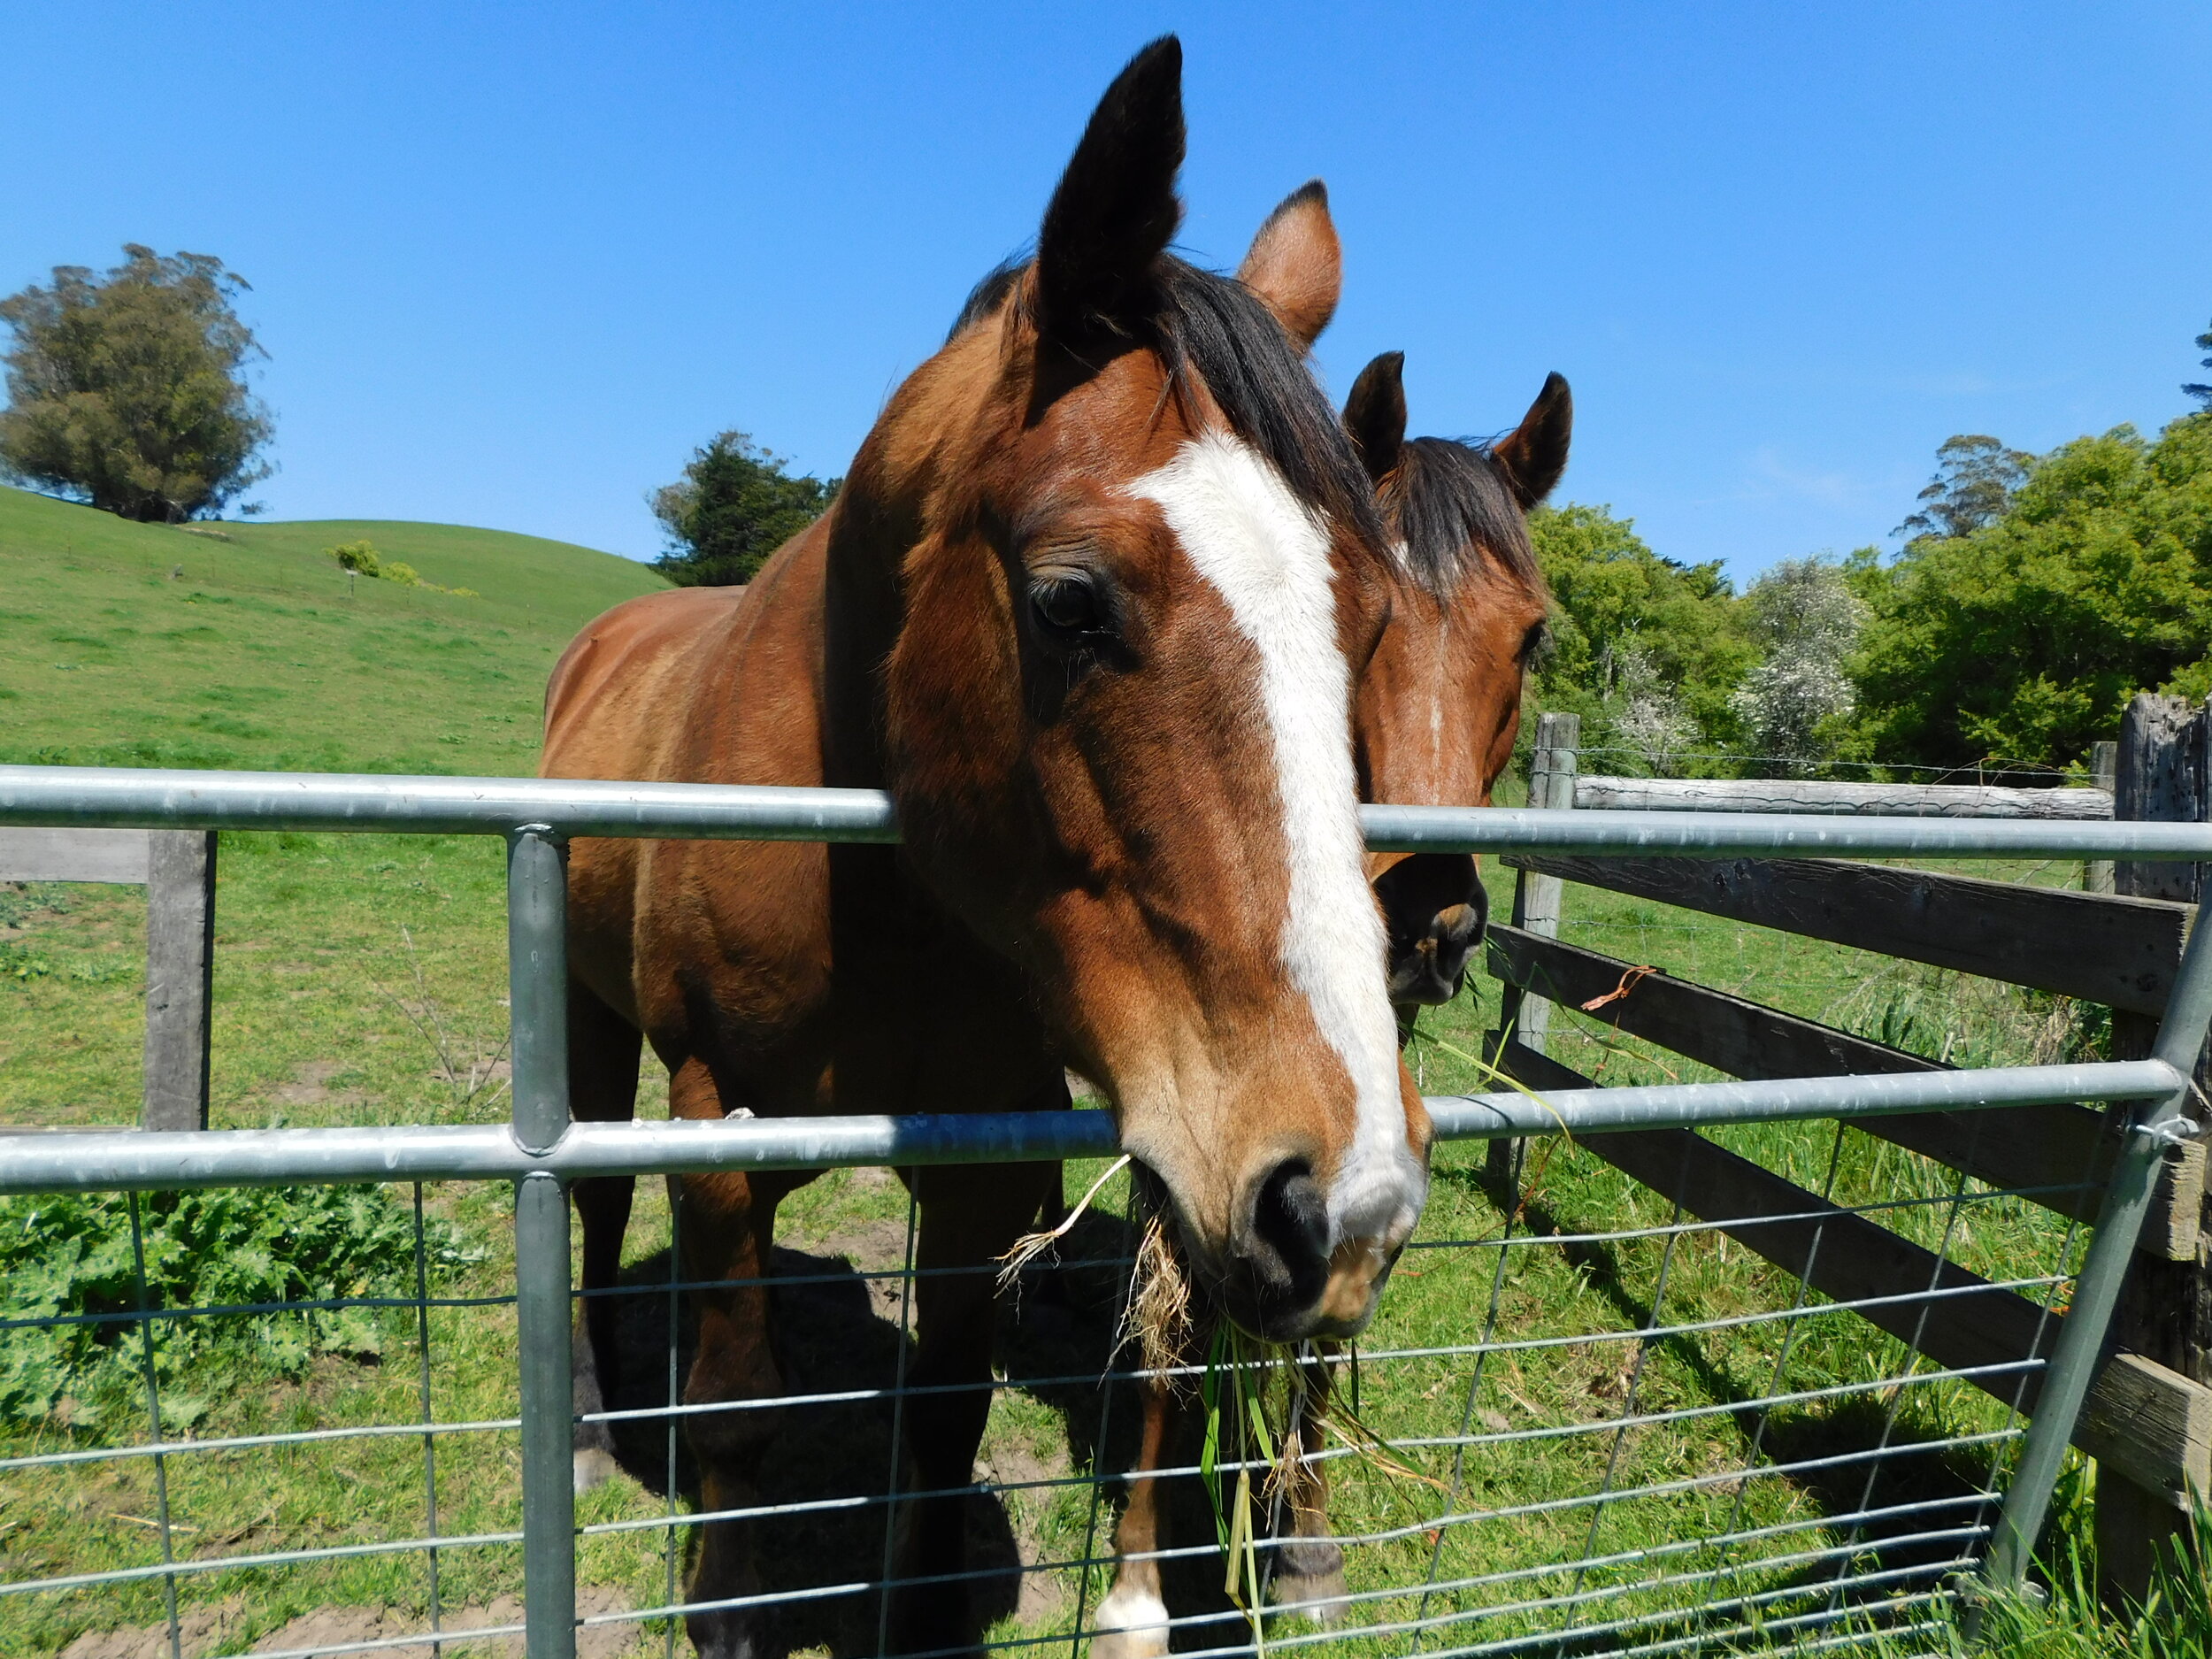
[1287, 1278]
[1435, 911]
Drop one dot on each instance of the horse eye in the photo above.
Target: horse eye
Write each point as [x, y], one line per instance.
[1067, 608]
[1534, 641]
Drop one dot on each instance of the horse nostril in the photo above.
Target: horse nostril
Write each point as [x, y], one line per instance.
[1288, 1258]
[1458, 932]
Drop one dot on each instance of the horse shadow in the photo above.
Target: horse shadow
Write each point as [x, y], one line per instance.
[830, 1338]
[1056, 1342]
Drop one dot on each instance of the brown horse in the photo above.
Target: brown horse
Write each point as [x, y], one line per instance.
[1440, 706]
[1435, 718]
[1091, 606]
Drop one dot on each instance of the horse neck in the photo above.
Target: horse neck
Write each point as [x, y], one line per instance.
[881, 514]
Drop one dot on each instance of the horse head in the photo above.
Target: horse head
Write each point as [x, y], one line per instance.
[1440, 703]
[1109, 571]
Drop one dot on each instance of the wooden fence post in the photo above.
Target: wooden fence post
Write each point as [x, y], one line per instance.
[2104, 769]
[1536, 898]
[2164, 773]
[179, 977]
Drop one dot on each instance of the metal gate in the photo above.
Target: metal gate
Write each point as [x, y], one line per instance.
[1440, 1556]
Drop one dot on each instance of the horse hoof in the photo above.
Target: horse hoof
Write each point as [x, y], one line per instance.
[1131, 1626]
[726, 1644]
[594, 1464]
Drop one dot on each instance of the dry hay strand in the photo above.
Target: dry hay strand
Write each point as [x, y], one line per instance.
[1157, 1313]
[1029, 1245]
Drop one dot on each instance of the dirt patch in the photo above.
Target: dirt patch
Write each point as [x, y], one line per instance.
[310, 1087]
[871, 1247]
[204, 1630]
[207, 1631]
[1011, 1462]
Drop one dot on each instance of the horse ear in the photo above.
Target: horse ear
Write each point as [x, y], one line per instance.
[1296, 263]
[1374, 413]
[1535, 454]
[1115, 208]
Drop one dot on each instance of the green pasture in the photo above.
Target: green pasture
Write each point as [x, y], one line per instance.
[243, 645]
[361, 979]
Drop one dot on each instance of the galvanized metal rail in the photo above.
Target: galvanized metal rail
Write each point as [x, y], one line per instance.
[96, 797]
[111, 1161]
[540, 1150]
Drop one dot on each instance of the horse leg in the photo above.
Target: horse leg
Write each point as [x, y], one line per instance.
[727, 1220]
[968, 1216]
[1309, 1574]
[1131, 1621]
[603, 1057]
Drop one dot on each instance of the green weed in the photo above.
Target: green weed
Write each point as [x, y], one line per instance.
[18, 962]
[81, 1260]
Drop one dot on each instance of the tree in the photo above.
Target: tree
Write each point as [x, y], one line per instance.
[2196, 389]
[1646, 650]
[2025, 638]
[129, 392]
[734, 506]
[1805, 615]
[1975, 479]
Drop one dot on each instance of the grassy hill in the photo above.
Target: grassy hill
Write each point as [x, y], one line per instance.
[244, 645]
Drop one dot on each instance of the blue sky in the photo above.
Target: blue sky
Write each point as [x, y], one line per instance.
[511, 262]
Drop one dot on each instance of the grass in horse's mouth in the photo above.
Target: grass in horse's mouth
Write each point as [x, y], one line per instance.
[1158, 1312]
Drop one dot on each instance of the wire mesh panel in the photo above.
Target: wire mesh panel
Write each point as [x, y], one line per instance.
[1580, 1410]
[211, 1470]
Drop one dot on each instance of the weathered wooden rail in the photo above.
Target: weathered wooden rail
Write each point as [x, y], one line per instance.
[177, 869]
[1874, 800]
[2149, 1418]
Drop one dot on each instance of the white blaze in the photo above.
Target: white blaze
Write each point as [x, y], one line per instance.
[1266, 555]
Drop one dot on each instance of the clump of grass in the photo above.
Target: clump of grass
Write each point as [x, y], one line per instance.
[1233, 1392]
[74, 1258]
[2173, 1622]
[20, 962]
[1158, 1313]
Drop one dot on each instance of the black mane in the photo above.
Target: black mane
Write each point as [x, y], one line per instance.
[989, 295]
[1214, 330]
[1450, 505]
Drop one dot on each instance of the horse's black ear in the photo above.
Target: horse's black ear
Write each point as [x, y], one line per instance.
[1374, 413]
[1116, 208]
[1535, 454]
[1296, 263]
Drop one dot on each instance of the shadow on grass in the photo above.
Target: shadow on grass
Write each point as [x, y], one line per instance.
[1054, 1342]
[1866, 1452]
[829, 1338]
